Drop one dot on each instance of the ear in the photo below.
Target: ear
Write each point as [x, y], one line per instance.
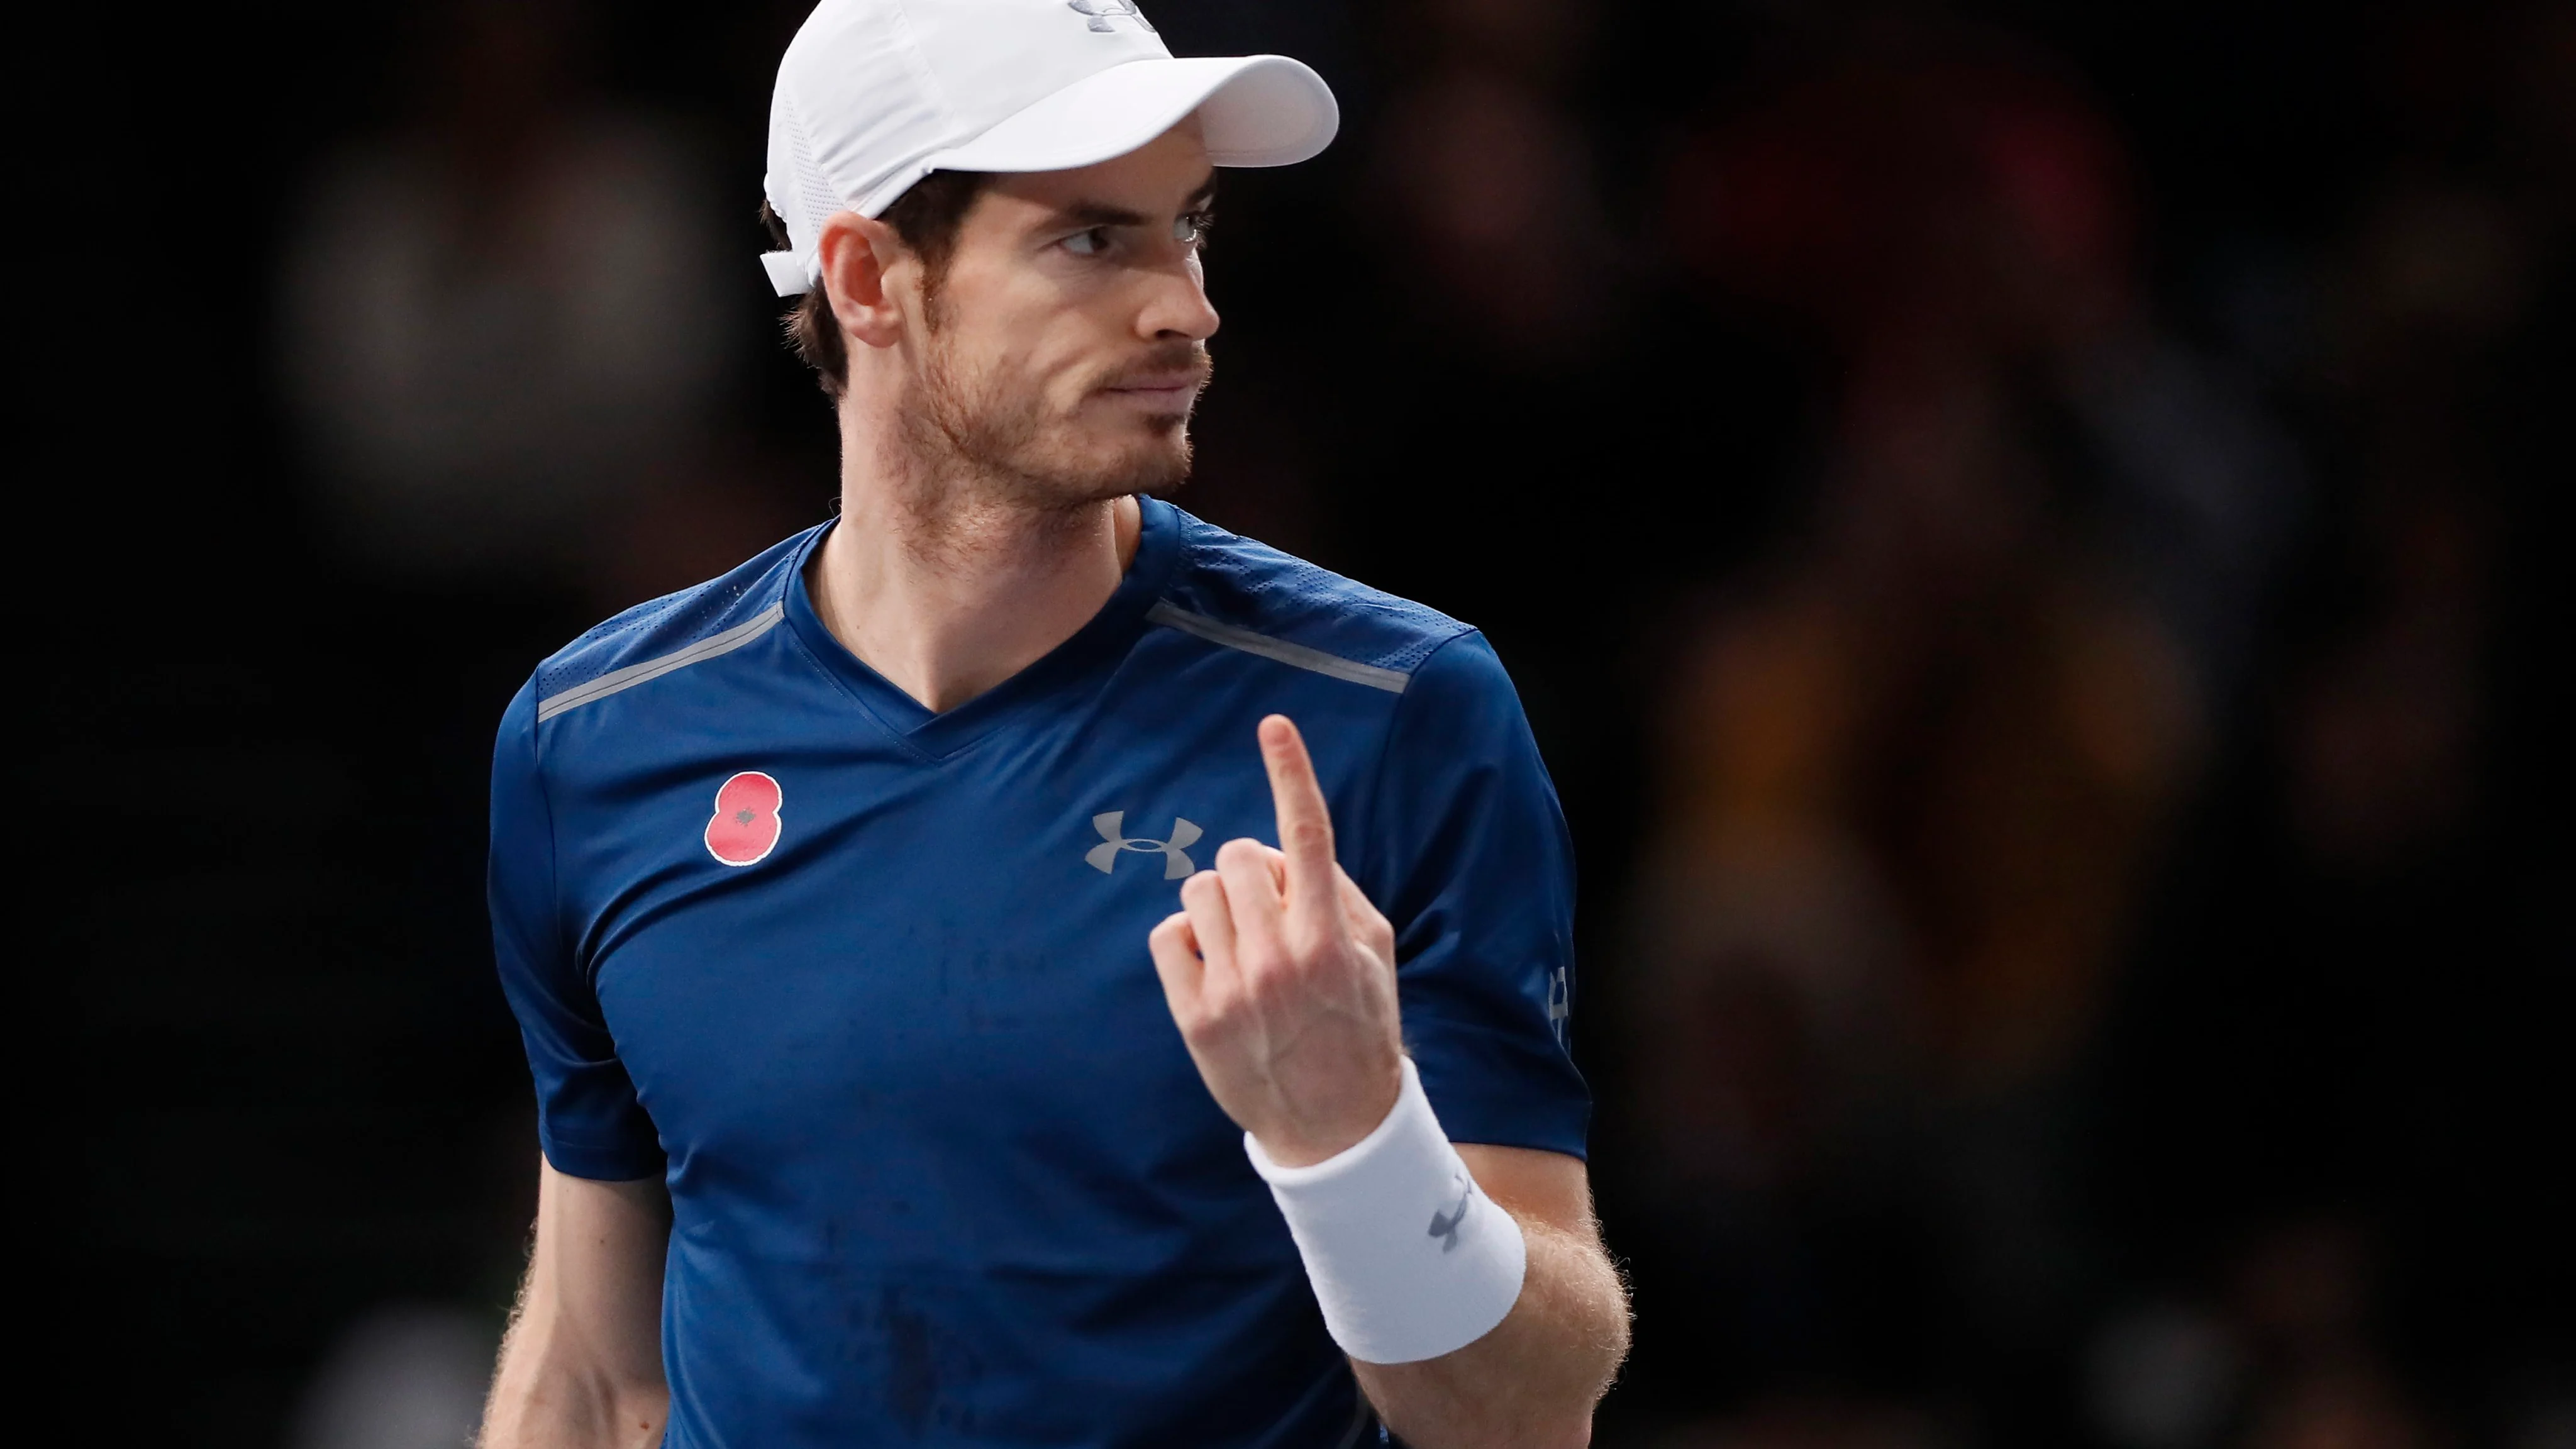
[858, 254]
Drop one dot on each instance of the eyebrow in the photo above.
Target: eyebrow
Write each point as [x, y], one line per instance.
[1101, 213]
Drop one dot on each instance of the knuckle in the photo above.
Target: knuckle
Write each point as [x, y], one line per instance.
[1211, 1023]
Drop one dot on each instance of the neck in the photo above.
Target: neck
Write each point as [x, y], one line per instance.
[945, 582]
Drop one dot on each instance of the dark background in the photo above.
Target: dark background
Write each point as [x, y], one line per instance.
[2020, 529]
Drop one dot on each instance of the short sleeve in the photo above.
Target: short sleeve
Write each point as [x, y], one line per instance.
[1469, 857]
[588, 1119]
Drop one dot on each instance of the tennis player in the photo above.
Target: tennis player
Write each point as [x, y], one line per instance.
[964, 1008]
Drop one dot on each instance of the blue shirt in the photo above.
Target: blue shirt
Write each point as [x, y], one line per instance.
[868, 986]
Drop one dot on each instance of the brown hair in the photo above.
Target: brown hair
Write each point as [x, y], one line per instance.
[927, 218]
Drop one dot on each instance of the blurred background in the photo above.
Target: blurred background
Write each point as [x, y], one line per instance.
[2021, 529]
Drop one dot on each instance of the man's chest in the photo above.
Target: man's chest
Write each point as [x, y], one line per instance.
[807, 948]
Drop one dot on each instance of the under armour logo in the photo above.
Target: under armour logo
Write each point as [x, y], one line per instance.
[1557, 1009]
[1444, 1226]
[1112, 827]
[1098, 12]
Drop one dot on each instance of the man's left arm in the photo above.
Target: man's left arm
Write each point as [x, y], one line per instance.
[1534, 1379]
[1281, 976]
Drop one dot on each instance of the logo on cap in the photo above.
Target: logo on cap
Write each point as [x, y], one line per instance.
[745, 827]
[1099, 12]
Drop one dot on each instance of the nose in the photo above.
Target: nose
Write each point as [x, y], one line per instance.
[1176, 304]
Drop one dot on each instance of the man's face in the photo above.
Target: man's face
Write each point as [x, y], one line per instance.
[1064, 349]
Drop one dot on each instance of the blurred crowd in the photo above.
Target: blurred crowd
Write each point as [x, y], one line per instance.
[2019, 531]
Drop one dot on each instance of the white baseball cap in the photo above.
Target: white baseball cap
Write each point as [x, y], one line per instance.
[873, 95]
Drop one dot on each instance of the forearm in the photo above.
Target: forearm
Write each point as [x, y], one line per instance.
[1534, 1379]
[555, 1391]
[581, 1367]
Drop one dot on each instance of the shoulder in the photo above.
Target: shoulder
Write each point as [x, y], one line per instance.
[670, 632]
[1238, 592]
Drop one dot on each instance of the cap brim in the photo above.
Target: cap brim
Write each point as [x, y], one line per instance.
[1257, 110]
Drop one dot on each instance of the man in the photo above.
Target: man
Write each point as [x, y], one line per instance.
[837, 896]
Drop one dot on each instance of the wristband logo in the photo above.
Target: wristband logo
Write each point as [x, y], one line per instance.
[745, 827]
[1444, 1226]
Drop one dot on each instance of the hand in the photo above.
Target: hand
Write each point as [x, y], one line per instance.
[1281, 976]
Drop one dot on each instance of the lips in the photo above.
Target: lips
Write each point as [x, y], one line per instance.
[1163, 380]
[1162, 387]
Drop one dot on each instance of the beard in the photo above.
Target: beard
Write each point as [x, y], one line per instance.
[986, 430]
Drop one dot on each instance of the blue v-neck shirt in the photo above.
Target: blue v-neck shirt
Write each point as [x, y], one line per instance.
[868, 987]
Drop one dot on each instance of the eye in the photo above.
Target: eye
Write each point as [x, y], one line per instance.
[1191, 226]
[1088, 243]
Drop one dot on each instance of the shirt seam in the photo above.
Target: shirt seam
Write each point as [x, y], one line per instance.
[1386, 752]
[554, 875]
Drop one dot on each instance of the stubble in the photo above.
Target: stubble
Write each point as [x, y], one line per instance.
[982, 434]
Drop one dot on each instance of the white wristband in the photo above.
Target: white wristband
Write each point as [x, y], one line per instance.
[1410, 1260]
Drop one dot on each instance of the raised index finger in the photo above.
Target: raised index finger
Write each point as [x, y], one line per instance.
[1305, 824]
